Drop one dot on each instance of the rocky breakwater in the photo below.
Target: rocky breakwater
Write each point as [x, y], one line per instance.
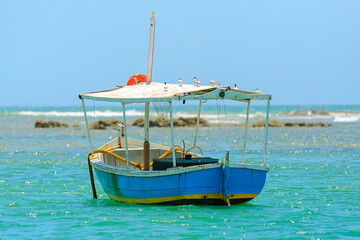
[49, 124]
[290, 124]
[179, 122]
[103, 124]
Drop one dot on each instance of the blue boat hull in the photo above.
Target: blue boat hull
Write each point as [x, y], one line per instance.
[206, 184]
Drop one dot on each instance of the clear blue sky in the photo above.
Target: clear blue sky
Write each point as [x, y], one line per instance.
[303, 52]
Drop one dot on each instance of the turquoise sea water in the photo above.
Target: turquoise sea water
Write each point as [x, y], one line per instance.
[312, 189]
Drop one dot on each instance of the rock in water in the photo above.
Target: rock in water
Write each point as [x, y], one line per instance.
[139, 122]
[180, 122]
[102, 124]
[190, 122]
[271, 124]
[49, 124]
[159, 122]
[290, 124]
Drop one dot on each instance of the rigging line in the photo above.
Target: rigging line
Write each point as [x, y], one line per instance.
[162, 109]
[225, 109]
[218, 112]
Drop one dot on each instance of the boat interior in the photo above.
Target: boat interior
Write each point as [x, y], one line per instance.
[160, 155]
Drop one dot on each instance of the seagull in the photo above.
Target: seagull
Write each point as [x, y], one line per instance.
[235, 87]
[258, 91]
[197, 82]
[213, 83]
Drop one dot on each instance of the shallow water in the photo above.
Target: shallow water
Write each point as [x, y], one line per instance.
[312, 188]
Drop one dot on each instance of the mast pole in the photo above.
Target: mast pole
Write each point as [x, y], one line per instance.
[172, 134]
[147, 104]
[126, 136]
[146, 156]
[151, 49]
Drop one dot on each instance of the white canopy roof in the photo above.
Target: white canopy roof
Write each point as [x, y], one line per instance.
[160, 92]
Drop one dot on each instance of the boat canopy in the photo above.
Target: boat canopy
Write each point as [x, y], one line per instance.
[162, 92]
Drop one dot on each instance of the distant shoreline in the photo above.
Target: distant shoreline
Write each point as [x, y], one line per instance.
[181, 122]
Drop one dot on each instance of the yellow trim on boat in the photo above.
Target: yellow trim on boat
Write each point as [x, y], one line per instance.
[188, 197]
[108, 151]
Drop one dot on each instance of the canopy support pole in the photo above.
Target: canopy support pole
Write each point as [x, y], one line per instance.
[146, 137]
[197, 127]
[92, 181]
[266, 129]
[87, 126]
[172, 135]
[126, 136]
[246, 131]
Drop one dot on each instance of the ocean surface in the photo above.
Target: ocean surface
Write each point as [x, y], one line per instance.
[312, 190]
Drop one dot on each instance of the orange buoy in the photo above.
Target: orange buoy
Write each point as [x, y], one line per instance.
[136, 78]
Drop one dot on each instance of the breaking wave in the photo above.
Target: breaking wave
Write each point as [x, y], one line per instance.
[106, 113]
[346, 117]
[212, 117]
[318, 114]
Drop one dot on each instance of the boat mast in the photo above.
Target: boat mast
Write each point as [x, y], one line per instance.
[172, 134]
[146, 138]
[147, 104]
[151, 48]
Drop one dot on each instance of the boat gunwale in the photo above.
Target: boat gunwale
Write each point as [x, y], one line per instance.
[131, 172]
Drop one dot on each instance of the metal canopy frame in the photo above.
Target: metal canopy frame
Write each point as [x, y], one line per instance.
[197, 125]
[219, 93]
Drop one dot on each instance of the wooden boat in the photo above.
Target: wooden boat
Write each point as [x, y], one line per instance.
[137, 171]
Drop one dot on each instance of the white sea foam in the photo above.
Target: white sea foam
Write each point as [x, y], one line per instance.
[51, 114]
[106, 113]
[345, 117]
[336, 116]
[211, 117]
[299, 118]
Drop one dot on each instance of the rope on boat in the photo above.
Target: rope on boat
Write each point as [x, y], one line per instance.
[137, 165]
[170, 151]
[117, 157]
